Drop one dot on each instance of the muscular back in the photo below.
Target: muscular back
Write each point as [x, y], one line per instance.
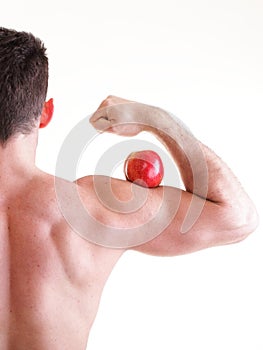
[51, 279]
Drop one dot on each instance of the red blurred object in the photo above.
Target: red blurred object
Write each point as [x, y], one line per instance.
[145, 168]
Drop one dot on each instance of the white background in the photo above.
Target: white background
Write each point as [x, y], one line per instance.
[203, 61]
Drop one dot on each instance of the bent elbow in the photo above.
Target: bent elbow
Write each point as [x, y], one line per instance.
[245, 224]
[252, 222]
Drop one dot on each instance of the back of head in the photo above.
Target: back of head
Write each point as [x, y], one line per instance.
[23, 82]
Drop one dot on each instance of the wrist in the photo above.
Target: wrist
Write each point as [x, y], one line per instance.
[161, 124]
[155, 119]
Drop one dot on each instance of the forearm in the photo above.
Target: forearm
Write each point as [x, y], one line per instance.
[203, 172]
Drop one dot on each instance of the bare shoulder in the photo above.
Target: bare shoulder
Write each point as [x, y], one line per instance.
[61, 203]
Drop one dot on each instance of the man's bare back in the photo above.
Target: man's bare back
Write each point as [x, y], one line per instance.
[51, 274]
[51, 278]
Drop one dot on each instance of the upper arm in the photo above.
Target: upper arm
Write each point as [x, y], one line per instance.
[163, 221]
[196, 224]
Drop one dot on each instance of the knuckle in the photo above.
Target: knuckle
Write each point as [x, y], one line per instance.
[111, 99]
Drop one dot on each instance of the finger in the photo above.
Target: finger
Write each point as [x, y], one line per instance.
[100, 113]
[101, 123]
[108, 101]
[104, 103]
[112, 100]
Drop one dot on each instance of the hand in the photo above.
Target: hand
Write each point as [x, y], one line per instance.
[120, 116]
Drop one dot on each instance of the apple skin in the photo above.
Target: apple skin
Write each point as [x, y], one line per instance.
[145, 168]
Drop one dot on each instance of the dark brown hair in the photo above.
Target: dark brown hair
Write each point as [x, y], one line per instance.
[23, 82]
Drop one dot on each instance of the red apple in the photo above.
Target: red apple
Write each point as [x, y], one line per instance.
[144, 168]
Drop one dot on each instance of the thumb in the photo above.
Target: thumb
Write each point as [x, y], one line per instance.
[100, 123]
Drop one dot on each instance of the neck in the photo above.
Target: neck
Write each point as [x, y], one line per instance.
[17, 158]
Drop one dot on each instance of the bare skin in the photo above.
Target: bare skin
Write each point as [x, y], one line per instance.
[51, 278]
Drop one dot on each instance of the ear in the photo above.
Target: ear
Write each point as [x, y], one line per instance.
[47, 113]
